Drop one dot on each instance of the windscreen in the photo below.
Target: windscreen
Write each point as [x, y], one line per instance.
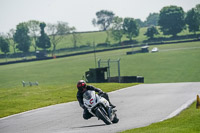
[87, 95]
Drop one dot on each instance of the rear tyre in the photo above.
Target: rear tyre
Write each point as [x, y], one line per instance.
[103, 117]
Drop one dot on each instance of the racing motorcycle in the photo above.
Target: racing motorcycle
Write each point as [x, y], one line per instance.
[99, 107]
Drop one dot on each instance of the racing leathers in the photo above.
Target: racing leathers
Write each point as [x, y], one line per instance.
[86, 114]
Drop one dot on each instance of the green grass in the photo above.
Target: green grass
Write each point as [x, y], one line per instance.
[57, 77]
[171, 66]
[21, 99]
[186, 122]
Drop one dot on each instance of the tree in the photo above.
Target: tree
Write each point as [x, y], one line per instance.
[151, 31]
[198, 9]
[171, 20]
[57, 32]
[11, 39]
[117, 29]
[130, 28]
[152, 19]
[104, 19]
[198, 12]
[34, 30]
[63, 28]
[192, 20]
[21, 37]
[4, 45]
[75, 37]
[43, 41]
[140, 22]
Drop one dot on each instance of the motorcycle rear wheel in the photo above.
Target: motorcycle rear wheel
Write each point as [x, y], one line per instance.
[103, 117]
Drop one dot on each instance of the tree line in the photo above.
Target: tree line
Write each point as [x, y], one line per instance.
[171, 20]
[35, 33]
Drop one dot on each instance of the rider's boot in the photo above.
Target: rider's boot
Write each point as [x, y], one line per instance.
[105, 95]
[113, 106]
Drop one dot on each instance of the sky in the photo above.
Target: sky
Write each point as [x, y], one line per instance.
[79, 13]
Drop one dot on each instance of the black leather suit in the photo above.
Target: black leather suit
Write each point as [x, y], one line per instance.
[86, 114]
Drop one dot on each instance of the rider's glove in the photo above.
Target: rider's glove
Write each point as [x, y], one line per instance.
[100, 92]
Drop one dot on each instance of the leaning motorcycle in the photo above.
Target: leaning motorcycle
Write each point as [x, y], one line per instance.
[99, 107]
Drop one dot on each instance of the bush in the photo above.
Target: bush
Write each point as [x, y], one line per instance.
[103, 45]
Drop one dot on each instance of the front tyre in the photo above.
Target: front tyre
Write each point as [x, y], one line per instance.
[115, 119]
[103, 117]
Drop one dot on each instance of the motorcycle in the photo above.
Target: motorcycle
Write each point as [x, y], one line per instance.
[98, 106]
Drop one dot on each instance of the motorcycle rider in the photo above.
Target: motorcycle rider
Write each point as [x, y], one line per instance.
[82, 87]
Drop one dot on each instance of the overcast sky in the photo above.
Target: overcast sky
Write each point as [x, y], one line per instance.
[79, 13]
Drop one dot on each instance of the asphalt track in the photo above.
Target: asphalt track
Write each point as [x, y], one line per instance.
[137, 106]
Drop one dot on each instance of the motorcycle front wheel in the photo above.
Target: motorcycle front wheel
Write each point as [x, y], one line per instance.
[101, 115]
[115, 119]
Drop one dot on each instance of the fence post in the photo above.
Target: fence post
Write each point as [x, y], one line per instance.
[99, 63]
[109, 68]
[198, 102]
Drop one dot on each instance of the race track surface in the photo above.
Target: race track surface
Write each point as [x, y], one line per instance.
[137, 106]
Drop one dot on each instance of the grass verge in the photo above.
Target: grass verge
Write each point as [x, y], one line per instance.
[186, 122]
[23, 99]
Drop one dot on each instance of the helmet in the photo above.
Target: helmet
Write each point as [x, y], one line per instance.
[81, 84]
